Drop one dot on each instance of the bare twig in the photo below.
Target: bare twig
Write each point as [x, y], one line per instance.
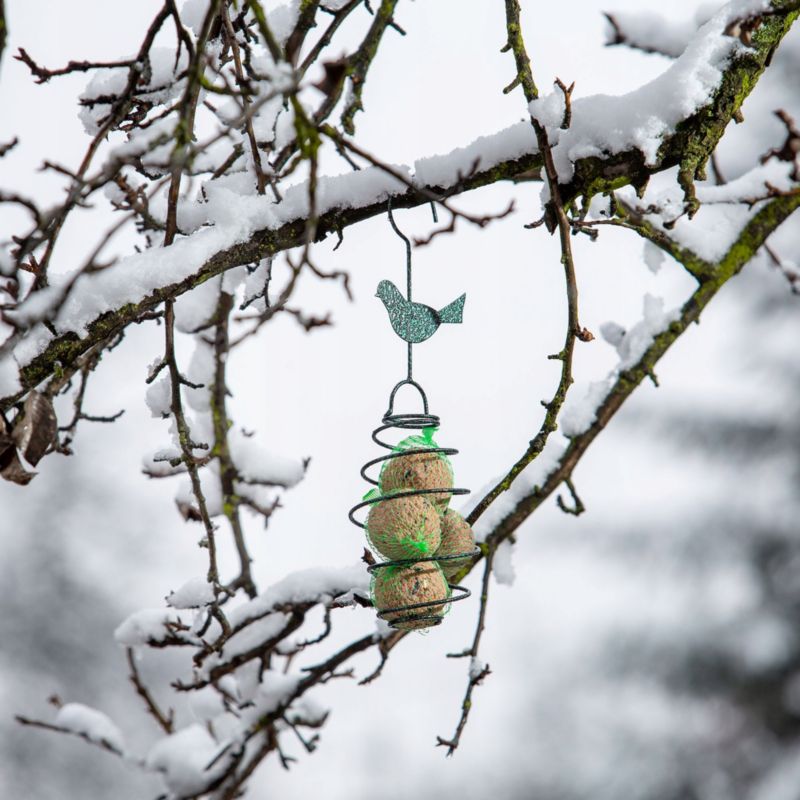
[165, 721]
[477, 670]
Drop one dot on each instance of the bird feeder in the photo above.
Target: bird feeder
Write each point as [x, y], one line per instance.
[409, 522]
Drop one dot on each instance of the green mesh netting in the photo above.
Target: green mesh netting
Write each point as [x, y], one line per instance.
[404, 527]
[401, 586]
[419, 470]
[456, 537]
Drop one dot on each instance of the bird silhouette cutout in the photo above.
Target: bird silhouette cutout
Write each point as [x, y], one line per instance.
[415, 322]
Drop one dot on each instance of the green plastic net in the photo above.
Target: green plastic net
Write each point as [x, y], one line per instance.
[397, 587]
[404, 527]
[423, 471]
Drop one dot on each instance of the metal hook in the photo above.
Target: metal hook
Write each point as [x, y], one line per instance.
[408, 247]
[407, 382]
[409, 356]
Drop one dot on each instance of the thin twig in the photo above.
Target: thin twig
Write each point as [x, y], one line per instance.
[477, 671]
[165, 721]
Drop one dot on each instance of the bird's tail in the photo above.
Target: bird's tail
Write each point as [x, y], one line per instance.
[454, 311]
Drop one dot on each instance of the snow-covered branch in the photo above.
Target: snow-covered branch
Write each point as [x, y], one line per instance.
[654, 129]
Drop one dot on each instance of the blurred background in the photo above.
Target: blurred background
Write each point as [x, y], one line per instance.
[646, 650]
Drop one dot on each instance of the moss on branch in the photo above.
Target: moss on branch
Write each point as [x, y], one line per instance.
[694, 139]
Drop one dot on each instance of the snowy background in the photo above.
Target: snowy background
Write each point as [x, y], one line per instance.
[647, 649]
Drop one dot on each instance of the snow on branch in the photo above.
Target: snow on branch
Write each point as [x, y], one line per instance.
[313, 585]
[629, 136]
[652, 32]
[93, 726]
[641, 120]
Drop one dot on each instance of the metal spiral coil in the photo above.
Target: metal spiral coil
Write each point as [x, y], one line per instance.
[417, 421]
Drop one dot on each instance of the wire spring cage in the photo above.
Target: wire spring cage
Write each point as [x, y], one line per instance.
[428, 613]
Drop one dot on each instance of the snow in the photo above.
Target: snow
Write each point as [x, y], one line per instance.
[159, 89]
[351, 190]
[310, 585]
[613, 333]
[257, 465]
[38, 304]
[274, 690]
[653, 257]
[601, 125]
[155, 141]
[476, 666]
[158, 396]
[207, 703]
[255, 283]
[284, 128]
[246, 640]
[235, 218]
[502, 566]
[248, 680]
[716, 229]
[648, 30]
[7, 263]
[156, 464]
[105, 82]
[535, 474]
[308, 711]
[635, 342]
[92, 724]
[163, 71]
[631, 345]
[230, 217]
[192, 14]
[201, 371]
[484, 153]
[232, 279]
[606, 124]
[182, 758]
[265, 118]
[9, 378]
[134, 277]
[194, 309]
[261, 470]
[282, 20]
[209, 480]
[580, 409]
[764, 643]
[752, 184]
[257, 495]
[146, 625]
[34, 342]
[195, 593]
[724, 210]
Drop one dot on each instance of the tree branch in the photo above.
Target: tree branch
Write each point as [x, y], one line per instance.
[697, 136]
[752, 237]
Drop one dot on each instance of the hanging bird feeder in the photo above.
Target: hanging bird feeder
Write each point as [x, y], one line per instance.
[409, 521]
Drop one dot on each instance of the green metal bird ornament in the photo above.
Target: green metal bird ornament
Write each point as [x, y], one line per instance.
[415, 322]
